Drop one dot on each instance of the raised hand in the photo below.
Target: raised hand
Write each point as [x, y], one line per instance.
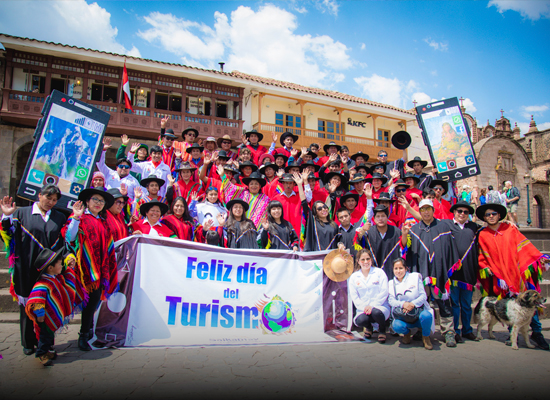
[208, 224]
[331, 187]
[78, 209]
[135, 147]
[8, 205]
[297, 178]
[305, 175]
[137, 192]
[244, 139]
[215, 155]
[194, 196]
[221, 218]
[265, 222]
[280, 172]
[219, 170]
[106, 143]
[200, 142]
[207, 159]
[171, 180]
[274, 137]
[164, 121]
[125, 140]
[368, 190]
[405, 229]
[394, 174]
[304, 151]
[294, 153]
[123, 189]
[333, 157]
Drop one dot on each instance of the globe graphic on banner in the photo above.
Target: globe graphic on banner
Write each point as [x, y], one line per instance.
[277, 316]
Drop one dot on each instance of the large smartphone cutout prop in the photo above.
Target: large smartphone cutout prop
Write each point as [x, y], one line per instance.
[447, 136]
[68, 143]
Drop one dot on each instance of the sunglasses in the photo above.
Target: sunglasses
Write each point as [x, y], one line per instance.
[124, 166]
[383, 155]
[438, 188]
[463, 212]
[226, 142]
[425, 209]
[321, 208]
[400, 190]
[491, 214]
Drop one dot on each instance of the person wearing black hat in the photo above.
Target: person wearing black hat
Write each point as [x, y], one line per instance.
[275, 231]
[378, 181]
[346, 160]
[360, 158]
[509, 263]
[417, 164]
[398, 164]
[189, 136]
[96, 267]
[114, 179]
[151, 223]
[413, 192]
[312, 189]
[349, 201]
[290, 199]
[52, 300]
[280, 160]
[246, 168]
[27, 230]
[141, 154]
[185, 186]
[333, 164]
[115, 215]
[153, 167]
[225, 143]
[362, 169]
[442, 206]
[402, 210]
[166, 142]
[196, 160]
[329, 149]
[464, 279]
[153, 185]
[358, 184]
[287, 140]
[240, 231]
[251, 140]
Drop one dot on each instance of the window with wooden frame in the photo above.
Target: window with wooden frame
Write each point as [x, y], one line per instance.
[288, 120]
[383, 138]
[330, 128]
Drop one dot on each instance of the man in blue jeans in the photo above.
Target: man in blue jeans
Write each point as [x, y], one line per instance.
[463, 279]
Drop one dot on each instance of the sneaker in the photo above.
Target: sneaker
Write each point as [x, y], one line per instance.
[458, 338]
[539, 340]
[508, 341]
[450, 339]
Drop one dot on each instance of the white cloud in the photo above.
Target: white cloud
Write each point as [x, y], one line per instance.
[433, 73]
[330, 6]
[363, 46]
[527, 111]
[386, 90]
[422, 98]
[76, 23]
[273, 50]
[524, 126]
[469, 104]
[532, 10]
[440, 46]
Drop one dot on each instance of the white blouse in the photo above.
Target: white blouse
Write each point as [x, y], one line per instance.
[370, 291]
[410, 289]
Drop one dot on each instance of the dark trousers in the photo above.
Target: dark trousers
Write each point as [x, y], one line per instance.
[28, 336]
[87, 318]
[45, 340]
[376, 316]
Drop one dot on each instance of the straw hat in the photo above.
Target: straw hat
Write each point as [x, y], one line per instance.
[338, 266]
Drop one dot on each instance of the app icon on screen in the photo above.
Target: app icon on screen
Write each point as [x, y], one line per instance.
[457, 120]
[36, 176]
[51, 179]
[81, 173]
[459, 129]
[85, 160]
[442, 166]
[470, 160]
[64, 185]
[76, 189]
[451, 164]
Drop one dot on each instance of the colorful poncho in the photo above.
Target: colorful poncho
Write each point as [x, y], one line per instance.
[508, 262]
[95, 254]
[59, 295]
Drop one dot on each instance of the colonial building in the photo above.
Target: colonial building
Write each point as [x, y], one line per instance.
[216, 103]
[504, 155]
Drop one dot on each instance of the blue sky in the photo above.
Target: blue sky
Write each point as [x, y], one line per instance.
[493, 53]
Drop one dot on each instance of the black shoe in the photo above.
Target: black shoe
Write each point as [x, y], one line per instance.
[470, 336]
[508, 341]
[418, 335]
[28, 352]
[539, 340]
[458, 338]
[450, 339]
[83, 342]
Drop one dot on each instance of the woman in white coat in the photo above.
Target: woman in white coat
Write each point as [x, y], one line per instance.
[407, 292]
[369, 292]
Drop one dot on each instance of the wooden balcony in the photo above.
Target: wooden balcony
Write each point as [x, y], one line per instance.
[307, 136]
[25, 108]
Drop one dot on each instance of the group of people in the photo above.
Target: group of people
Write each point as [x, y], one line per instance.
[397, 221]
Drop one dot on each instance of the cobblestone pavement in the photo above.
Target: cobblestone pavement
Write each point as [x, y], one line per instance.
[488, 369]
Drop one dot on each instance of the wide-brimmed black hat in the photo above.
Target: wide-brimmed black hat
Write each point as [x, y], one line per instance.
[293, 165]
[378, 165]
[358, 178]
[376, 175]
[287, 178]
[266, 165]
[195, 132]
[288, 134]
[417, 159]
[480, 211]
[411, 175]
[231, 203]
[254, 176]
[380, 207]
[311, 153]
[360, 153]
[331, 144]
[349, 195]
[145, 207]
[260, 136]
[312, 176]
[85, 195]
[115, 192]
[440, 182]
[186, 165]
[194, 146]
[153, 178]
[169, 133]
[363, 166]
[248, 164]
[384, 196]
[121, 160]
[401, 140]
[230, 167]
[330, 175]
[280, 155]
[222, 155]
[464, 204]
[400, 182]
[311, 164]
[46, 257]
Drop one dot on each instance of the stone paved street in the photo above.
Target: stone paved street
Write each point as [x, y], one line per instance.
[484, 370]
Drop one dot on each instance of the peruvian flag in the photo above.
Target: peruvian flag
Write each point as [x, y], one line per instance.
[126, 88]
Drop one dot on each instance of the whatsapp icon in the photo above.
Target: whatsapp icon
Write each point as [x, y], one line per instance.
[81, 173]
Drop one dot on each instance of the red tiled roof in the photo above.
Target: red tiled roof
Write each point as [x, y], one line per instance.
[242, 75]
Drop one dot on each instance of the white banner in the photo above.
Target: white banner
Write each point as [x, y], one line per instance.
[179, 293]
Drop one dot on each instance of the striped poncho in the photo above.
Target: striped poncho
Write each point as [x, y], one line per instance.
[60, 295]
[257, 202]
